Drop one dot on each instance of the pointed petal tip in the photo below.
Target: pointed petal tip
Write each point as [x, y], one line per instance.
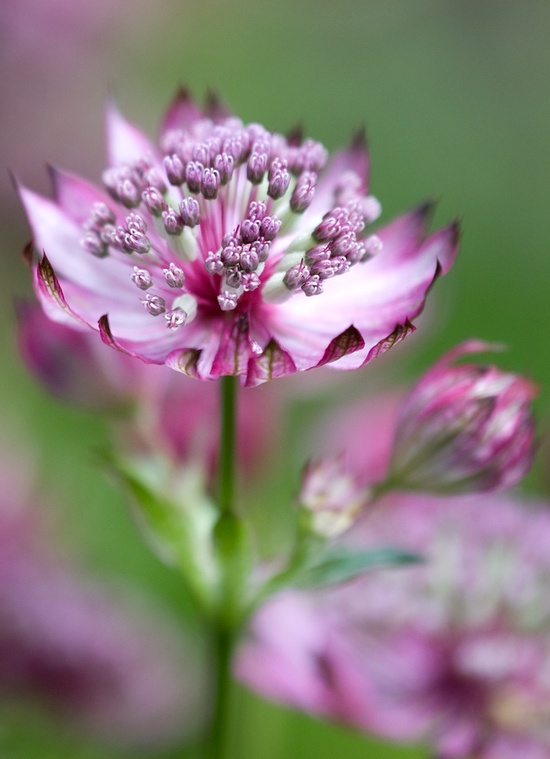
[13, 177]
[183, 92]
[55, 175]
[107, 335]
[455, 230]
[111, 102]
[295, 135]
[426, 209]
[215, 107]
[28, 253]
[359, 139]
[182, 96]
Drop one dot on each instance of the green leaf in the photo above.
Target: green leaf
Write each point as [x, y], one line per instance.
[345, 564]
[176, 526]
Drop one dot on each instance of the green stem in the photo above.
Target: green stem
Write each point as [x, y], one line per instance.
[226, 471]
[220, 743]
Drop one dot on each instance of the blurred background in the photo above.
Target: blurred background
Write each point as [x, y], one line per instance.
[454, 96]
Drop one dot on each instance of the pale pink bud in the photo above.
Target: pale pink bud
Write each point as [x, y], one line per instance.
[464, 428]
[332, 497]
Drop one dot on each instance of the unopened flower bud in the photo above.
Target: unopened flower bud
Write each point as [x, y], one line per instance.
[464, 428]
[332, 497]
[175, 170]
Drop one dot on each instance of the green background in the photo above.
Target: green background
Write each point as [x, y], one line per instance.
[455, 97]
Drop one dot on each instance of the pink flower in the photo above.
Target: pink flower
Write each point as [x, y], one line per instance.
[76, 368]
[464, 427]
[171, 415]
[231, 250]
[454, 652]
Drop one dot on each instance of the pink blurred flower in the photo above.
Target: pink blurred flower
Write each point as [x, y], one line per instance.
[201, 254]
[361, 434]
[455, 652]
[170, 415]
[105, 660]
[464, 427]
[331, 497]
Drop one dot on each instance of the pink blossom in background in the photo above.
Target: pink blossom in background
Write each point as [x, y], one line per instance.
[361, 434]
[169, 413]
[455, 652]
[221, 251]
[105, 661]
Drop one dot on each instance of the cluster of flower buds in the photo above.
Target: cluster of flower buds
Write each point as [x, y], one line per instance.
[242, 254]
[338, 246]
[126, 184]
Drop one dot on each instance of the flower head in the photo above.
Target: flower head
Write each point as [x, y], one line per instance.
[464, 427]
[232, 250]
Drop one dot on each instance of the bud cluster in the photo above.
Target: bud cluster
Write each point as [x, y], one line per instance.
[339, 247]
[127, 183]
[243, 253]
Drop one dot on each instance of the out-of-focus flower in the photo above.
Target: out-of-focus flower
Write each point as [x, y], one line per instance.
[454, 652]
[220, 253]
[331, 497]
[170, 415]
[464, 427]
[76, 369]
[361, 434]
[106, 661]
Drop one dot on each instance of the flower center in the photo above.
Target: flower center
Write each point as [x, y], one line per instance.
[214, 220]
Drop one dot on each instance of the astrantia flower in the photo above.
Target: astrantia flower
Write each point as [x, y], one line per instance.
[232, 250]
[454, 652]
[464, 427]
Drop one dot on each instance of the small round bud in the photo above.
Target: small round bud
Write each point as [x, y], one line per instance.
[173, 223]
[256, 167]
[174, 276]
[175, 170]
[210, 183]
[303, 192]
[296, 276]
[270, 227]
[153, 201]
[154, 304]
[190, 212]
[193, 175]
[142, 278]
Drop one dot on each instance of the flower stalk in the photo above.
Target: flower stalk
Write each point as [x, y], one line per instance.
[228, 547]
[226, 466]
[219, 744]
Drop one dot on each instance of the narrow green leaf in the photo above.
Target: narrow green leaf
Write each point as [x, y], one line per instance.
[345, 564]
